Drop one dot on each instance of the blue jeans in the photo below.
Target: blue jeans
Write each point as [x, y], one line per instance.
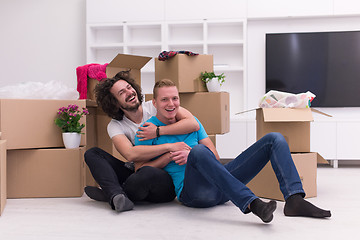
[208, 183]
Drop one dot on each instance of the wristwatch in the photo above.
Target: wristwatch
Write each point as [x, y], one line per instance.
[157, 131]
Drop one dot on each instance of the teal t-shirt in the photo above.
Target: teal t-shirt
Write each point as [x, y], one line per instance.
[176, 171]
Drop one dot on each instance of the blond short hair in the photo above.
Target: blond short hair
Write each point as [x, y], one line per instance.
[162, 83]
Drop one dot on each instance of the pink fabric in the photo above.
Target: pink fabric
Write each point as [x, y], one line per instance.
[93, 70]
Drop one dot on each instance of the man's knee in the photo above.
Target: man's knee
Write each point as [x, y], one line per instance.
[199, 153]
[150, 184]
[276, 137]
[91, 155]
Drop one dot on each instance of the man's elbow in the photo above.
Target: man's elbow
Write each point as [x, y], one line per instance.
[196, 127]
[132, 158]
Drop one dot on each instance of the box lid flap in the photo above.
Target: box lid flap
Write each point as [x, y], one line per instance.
[321, 160]
[128, 61]
[287, 114]
[320, 112]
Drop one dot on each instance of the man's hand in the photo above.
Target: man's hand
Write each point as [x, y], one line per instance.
[179, 146]
[146, 132]
[180, 157]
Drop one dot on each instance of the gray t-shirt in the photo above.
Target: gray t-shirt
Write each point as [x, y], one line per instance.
[128, 127]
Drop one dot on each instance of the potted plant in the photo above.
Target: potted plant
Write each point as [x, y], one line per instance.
[213, 81]
[68, 119]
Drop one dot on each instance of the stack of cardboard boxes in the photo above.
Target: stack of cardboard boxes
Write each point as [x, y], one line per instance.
[294, 125]
[212, 109]
[34, 162]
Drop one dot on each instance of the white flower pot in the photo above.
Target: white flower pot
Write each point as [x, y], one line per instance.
[213, 85]
[71, 139]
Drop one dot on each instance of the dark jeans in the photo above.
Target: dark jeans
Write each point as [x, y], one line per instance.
[208, 183]
[114, 177]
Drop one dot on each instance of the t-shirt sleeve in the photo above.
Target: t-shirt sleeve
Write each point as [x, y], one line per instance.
[114, 128]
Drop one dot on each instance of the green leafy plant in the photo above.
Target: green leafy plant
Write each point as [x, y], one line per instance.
[208, 76]
[68, 118]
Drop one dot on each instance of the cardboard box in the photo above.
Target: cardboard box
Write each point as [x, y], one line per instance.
[122, 62]
[97, 136]
[266, 185]
[293, 124]
[213, 139]
[34, 173]
[185, 71]
[104, 141]
[29, 123]
[91, 137]
[3, 191]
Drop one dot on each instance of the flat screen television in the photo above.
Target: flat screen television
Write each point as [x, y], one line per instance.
[324, 63]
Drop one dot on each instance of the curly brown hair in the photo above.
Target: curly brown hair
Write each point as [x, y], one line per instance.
[106, 100]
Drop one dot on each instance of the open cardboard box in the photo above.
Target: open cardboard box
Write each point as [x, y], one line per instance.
[3, 191]
[185, 71]
[292, 123]
[29, 123]
[122, 62]
[53, 172]
[266, 185]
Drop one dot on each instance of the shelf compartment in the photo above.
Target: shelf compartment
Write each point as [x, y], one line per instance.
[231, 56]
[143, 33]
[106, 34]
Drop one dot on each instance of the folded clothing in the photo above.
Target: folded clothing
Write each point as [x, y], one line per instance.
[164, 55]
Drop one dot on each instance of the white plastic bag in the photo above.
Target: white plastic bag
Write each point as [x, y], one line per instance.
[39, 90]
[277, 99]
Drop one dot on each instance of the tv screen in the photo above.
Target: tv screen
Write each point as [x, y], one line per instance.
[324, 63]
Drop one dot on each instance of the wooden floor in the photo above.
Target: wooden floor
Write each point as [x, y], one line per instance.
[83, 218]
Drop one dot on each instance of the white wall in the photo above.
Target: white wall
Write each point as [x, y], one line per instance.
[41, 40]
[256, 44]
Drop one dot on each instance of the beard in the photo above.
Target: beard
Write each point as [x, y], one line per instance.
[130, 108]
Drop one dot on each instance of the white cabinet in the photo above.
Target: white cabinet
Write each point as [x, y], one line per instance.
[348, 143]
[323, 139]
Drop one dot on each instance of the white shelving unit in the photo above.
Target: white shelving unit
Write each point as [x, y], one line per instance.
[224, 39]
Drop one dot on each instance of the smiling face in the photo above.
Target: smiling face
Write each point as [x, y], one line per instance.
[167, 104]
[126, 96]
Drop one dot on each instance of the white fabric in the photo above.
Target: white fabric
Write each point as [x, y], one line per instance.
[128, 127]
